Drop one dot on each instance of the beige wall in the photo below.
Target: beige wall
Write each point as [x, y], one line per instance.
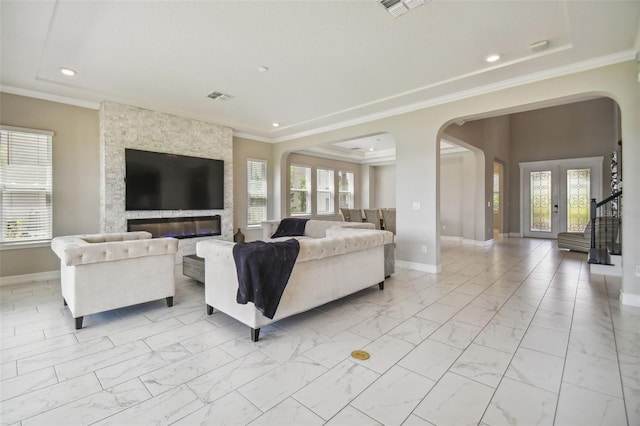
[452, 179]
[75, 174]
[492, 137]
[385, 186]
[243, 150]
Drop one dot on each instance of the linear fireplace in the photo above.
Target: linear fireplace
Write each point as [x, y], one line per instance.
[178, 227]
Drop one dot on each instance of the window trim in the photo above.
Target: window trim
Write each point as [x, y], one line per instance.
[41, 242]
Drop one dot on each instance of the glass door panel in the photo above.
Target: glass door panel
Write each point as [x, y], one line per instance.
[578, 196]
[540, 202]
[556, 195]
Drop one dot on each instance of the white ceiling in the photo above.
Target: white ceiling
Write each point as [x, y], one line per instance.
[331, 63]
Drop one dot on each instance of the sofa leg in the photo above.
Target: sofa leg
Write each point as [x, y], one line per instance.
[255, 334]
[79, 323]
[64, 301]
[381, 285]
[209, 309]
[170, 301]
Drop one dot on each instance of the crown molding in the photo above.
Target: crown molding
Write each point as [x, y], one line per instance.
[476, 91]
[464, 94]
[237, 134]
[49, 97]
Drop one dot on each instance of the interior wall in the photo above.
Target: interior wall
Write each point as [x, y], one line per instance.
[385, 186]
[452, 177]
[75, 174]
[492, 137]
[581, 129]
[366, 194]
[243, 150]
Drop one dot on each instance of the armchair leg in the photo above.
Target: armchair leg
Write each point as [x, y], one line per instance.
[170, 301]
[209, 309]
[64, 301]
[79, 323]
[255, 334]
[381, 285]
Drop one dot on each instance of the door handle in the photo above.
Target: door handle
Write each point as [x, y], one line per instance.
[555, 208]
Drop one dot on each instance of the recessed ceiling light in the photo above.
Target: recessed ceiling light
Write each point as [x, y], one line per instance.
[371, 149]
[492, 58]
[68, 72]
[263, 68]
[276, 124]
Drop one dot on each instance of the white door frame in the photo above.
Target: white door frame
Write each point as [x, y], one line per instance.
[559, 220]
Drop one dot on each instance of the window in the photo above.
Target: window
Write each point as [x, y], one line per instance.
[256, 192]
[25, 185]
[300, 187]
[496, 192]
[325, 188]
[345, 188]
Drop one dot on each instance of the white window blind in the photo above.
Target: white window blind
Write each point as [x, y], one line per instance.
[25, 185]
[257, 192]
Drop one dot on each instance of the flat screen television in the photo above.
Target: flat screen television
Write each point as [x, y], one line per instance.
[157, 181]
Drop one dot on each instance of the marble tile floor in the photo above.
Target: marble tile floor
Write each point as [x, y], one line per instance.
[517, 333]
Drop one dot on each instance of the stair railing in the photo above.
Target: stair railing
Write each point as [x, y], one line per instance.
[606, 238]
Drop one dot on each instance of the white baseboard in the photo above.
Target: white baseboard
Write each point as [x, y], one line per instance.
[29, 278]
[478, 243]
[424, 267]
[610, 270]
[629, 299]
[450, 238]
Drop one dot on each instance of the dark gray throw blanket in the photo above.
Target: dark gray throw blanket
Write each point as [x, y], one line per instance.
[263, 272]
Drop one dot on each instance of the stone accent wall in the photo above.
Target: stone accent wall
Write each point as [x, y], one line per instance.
[124, 126]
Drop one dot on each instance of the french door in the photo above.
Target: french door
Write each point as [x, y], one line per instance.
[555, 195]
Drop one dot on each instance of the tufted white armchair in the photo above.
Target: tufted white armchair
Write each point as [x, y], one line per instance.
[100, 272]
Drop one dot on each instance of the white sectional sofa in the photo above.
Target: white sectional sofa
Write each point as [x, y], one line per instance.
[100, 272]
[333, 262]
[318, 228]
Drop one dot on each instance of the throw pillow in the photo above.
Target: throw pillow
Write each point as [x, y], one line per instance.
[290, 227]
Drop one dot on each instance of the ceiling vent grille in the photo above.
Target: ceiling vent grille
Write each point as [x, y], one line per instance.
[219, 96]
[399, 7]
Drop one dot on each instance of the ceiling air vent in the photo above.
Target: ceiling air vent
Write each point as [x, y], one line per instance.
[399, 7]
[219, 96]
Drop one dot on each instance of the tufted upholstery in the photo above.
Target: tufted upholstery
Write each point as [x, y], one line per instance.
[343, 262]
[100, 272]
[313, 229]
[325, 228]
[93, 248]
